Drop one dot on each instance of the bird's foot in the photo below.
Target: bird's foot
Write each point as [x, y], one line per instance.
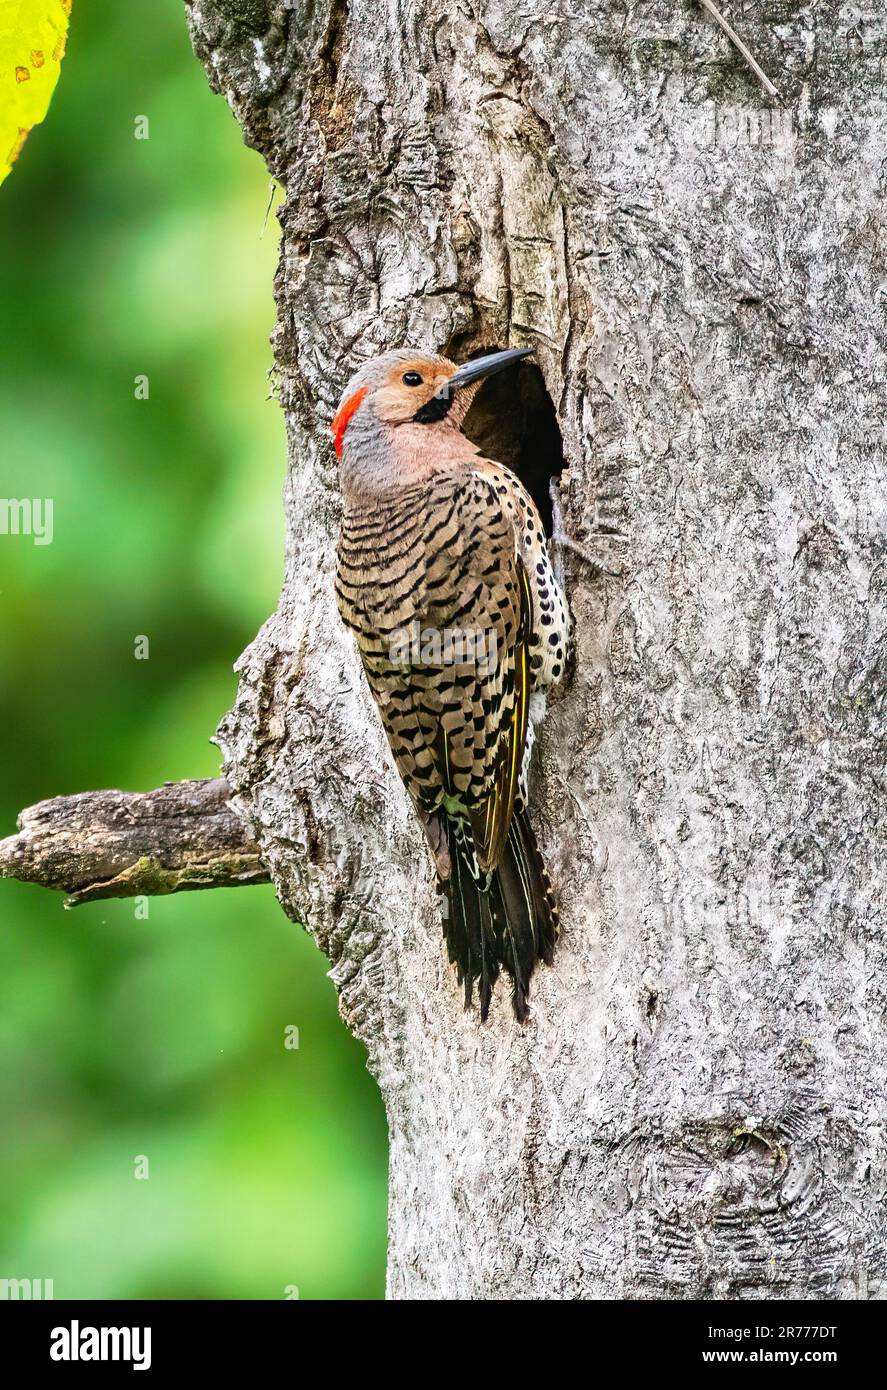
[567, 544]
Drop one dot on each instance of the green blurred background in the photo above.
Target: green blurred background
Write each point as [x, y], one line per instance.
[164, 1037]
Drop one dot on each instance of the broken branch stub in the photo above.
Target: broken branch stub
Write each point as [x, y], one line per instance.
[114, 844]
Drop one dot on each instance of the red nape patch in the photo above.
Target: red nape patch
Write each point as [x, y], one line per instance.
[342, 418]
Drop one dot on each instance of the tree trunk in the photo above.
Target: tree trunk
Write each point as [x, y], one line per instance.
[696, 1109]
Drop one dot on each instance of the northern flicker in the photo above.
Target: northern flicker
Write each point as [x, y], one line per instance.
[444, 577]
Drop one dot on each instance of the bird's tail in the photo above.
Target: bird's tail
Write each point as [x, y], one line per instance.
[505, 918]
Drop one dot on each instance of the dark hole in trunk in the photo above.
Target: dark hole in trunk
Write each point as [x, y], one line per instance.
[513, 421]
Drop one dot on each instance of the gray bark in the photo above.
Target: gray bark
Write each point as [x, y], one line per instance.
[181, 837]
[697, 1106]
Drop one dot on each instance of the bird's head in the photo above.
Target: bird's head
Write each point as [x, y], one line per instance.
[403, 405]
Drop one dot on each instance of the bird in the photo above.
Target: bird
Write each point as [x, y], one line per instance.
[443, 575]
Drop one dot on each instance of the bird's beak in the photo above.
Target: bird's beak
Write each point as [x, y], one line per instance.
[485, 366]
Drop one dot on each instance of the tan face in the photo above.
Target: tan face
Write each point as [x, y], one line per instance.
[410, 385]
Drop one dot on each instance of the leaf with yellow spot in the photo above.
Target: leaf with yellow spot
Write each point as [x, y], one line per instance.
[32, 44]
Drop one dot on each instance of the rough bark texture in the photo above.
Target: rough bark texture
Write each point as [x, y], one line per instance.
[697, 1107]
[126, 844]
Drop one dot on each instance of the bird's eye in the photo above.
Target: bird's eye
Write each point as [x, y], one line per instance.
[412, 379]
